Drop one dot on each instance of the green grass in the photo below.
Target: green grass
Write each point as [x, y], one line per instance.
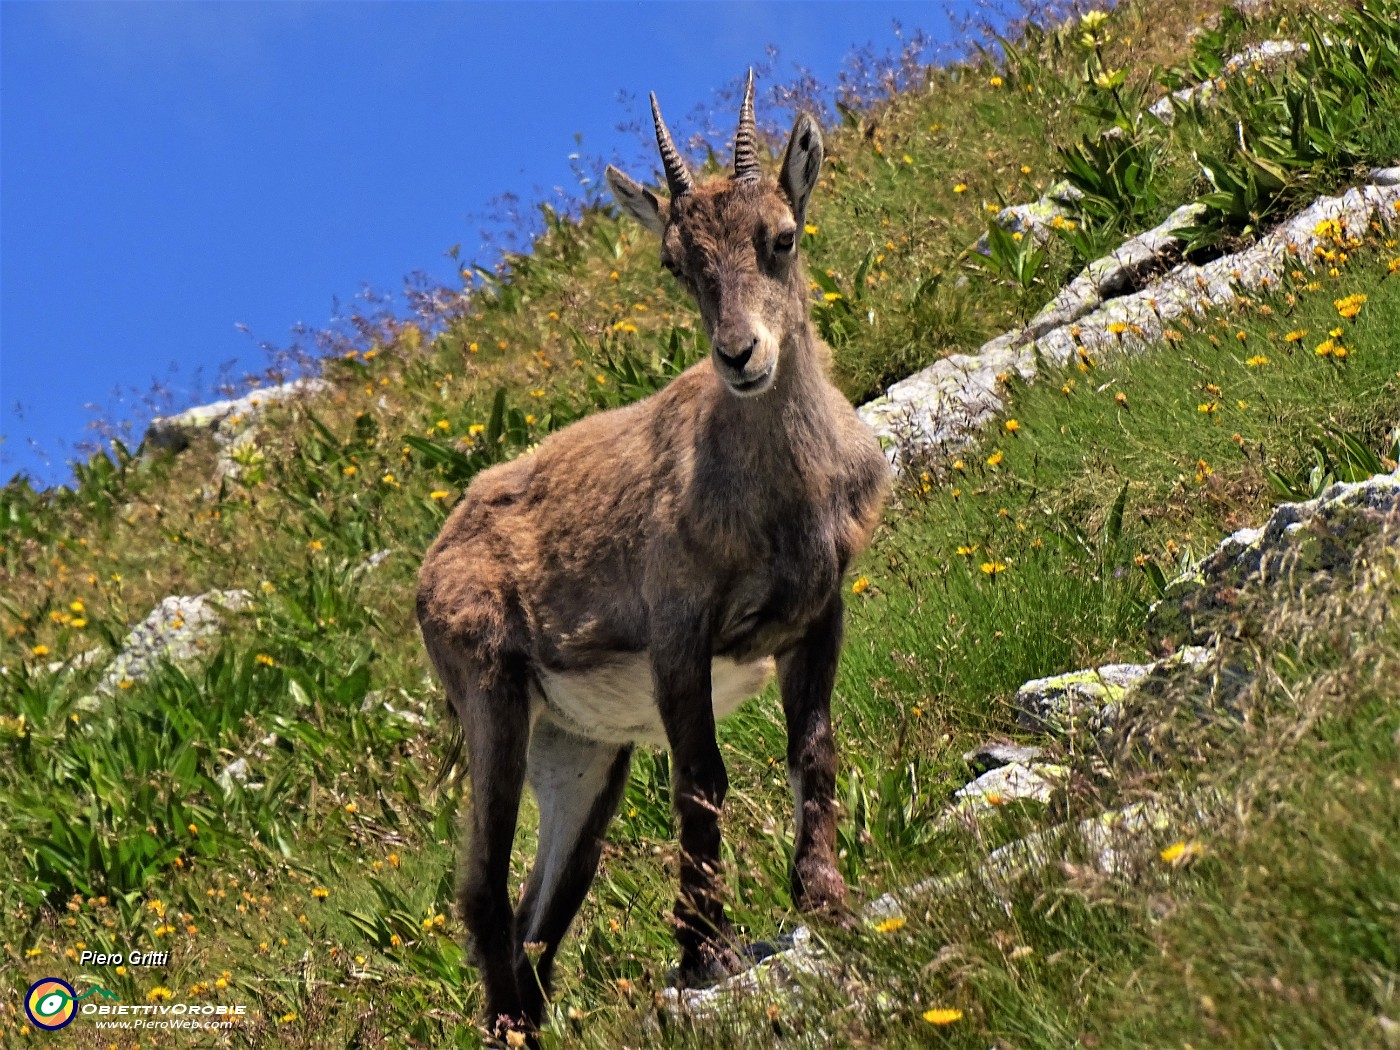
[1004, 564]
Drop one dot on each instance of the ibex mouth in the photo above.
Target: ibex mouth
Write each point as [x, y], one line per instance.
[750, 387]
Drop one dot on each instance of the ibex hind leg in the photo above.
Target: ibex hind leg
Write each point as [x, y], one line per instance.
[492, 703]
[578, 784]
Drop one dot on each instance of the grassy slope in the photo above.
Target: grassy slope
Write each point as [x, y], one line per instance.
[103, 811]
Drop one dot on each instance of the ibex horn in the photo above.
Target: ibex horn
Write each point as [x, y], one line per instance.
[746, 140]
[677, 177]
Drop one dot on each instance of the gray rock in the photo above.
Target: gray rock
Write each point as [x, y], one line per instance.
[1034, 218]
[177, 630]
[1299, 541]
[1256, 56]
[237, 772]
[1091, 699]
[1067, 702]
[1106, 841]
[1009, 783]
[224, 419]
[937, 410]
[1116, 272]
[993, 755]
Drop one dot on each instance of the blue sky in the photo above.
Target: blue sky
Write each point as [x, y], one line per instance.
[170, 171]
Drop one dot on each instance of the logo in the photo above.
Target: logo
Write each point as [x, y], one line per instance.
[52, 1003]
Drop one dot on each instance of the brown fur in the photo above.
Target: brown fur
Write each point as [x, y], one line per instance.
[695, 524]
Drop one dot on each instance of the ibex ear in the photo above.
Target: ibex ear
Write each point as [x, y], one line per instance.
[802, 163]
[636, 200]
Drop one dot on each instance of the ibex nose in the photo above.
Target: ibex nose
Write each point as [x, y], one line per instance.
[738, 360]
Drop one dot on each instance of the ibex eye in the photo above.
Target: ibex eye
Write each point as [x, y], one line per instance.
[785, 240]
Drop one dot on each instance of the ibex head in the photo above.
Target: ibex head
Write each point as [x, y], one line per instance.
[732, 244]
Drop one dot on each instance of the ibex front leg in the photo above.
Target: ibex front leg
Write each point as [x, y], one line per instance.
[806, 674]
[681, 667]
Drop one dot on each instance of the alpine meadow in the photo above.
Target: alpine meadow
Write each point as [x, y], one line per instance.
[1115, 723]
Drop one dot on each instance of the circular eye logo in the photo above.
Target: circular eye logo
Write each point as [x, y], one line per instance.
[51, 1004]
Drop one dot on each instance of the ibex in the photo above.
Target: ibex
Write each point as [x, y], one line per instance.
[644, 571]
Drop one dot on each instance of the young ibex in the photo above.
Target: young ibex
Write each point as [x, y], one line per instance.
[643, 572]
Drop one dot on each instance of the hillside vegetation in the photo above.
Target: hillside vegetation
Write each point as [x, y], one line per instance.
[318, 891]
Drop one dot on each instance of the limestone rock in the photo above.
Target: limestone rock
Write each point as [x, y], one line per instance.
[224, 419]
[993, 755]
[1299, 539]
[937, 410]
[1256, 56]
[1009, 783]
[1106, 841]
[1036, 217]
[176, 631]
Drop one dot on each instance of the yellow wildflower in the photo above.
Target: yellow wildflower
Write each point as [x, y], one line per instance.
[1324, 348]
[1207, 408]
[965, 549]
[946, 1014]
[890, 925]
[438, 494]
[1012, 426]
[1117, 327]
[158, 993]
[994, 460]
[40, 650]
[1179, 853]
[1350, 305]
[960, 188]
[320, 893]
[1257, 360]
[996, 82]
[991, 568]
[861, 585]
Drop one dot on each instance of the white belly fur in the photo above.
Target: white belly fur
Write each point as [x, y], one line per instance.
[617, 704]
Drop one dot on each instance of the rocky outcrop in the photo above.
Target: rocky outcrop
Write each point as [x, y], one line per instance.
[225, 420]
[1090, 699]
[1313, 540]
[1256, 57]
[1106, 842]
[1036, 218]
[938, 409]
[177, 630]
